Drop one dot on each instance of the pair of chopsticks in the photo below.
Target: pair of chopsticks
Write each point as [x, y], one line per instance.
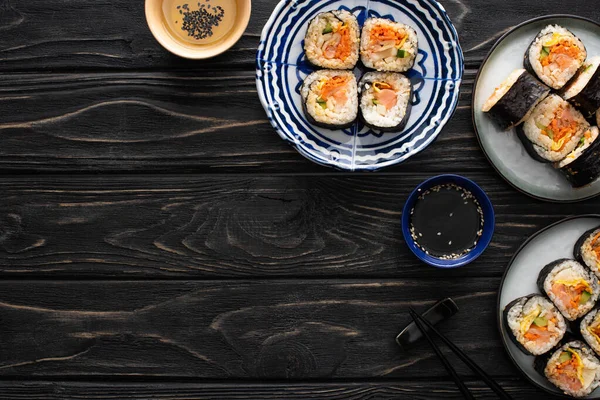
[425, 326]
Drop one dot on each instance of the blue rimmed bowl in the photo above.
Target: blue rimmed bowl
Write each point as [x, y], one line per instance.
[436, 77]
[488, 220]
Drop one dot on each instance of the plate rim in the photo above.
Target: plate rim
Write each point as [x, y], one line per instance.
[374, 167]
[499, 314]
[476, 83]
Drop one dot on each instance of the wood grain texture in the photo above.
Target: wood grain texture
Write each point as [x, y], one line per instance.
[237, 226]
[209, 122]
[409, 390]
[283, 329]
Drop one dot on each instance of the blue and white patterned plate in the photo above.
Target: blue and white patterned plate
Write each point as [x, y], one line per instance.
[281, 67]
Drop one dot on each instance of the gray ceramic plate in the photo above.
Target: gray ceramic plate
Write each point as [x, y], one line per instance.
[551, 243]
[503, 149]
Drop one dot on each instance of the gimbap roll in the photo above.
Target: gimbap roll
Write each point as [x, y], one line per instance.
[332, 40]
[535, 323]
[582, 165]
[572, 288]
[590, 330]
[514, 100]
[587, 250]
[386, 45]
[584, 90]
[330, 98]
[574, 369]
[553, 130]
[555, 56]
[385, 100]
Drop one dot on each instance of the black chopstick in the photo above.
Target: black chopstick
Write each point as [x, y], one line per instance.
[461, 385]
[465, 358]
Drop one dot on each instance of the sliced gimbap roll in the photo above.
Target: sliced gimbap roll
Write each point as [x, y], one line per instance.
[330, 98]
[574, 369]
[514, 100]
[555, 56]
[535, 323]
[582, 165]
[385, 100]
[553, 130]
[590, 330]
[332, 40]
[386, 45]
[587, 250]
[572, 288]
[584, 90]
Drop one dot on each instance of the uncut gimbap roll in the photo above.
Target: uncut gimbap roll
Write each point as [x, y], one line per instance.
[572, 287]
[332, 40]
[535, 323]
[582, 165]
[587, 250]
[590, 330]
[584, 90]
[555, 56]
[330, 98]
[386, 45]
[514, 100]
[553, 130]
[574, 369]
[385, 100]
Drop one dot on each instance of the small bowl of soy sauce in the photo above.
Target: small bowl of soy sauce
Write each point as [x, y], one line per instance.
[448, 221]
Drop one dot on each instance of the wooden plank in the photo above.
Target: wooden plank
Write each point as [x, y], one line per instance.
[284, 329]
[237, 226]
[47, 35]
[408, 390]
[122, 122]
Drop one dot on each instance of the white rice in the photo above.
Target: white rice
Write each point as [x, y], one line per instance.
[582, 79]
[581, 148]
[542, 116]
[592, 320]
[590, 371]
[334, 114]
[570, 270]
[385, 58]
[588, 255]
[501, 90]
[315, 41]
[527, 306]
[377, 115]
[552, 75]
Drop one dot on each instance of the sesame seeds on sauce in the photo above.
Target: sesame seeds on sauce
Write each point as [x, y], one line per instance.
[446, 221]
[201, 21]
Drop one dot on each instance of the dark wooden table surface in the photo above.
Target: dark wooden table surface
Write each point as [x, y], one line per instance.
[158, 240]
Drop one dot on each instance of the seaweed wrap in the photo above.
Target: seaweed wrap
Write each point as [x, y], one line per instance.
[386, 45]
[385, 100]
[332, 40]
[535, 324]
[582, 166]
[584, 90]
[330, 98]
[553, 130]
[587, 250]
[514, 100]
[570, 286]
[590, 330]
[573, 368]
[555, 56]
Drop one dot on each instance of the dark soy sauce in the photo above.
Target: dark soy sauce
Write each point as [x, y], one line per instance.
[446, 221]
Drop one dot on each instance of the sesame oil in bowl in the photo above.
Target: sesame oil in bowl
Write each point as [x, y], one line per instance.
[200, 22]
